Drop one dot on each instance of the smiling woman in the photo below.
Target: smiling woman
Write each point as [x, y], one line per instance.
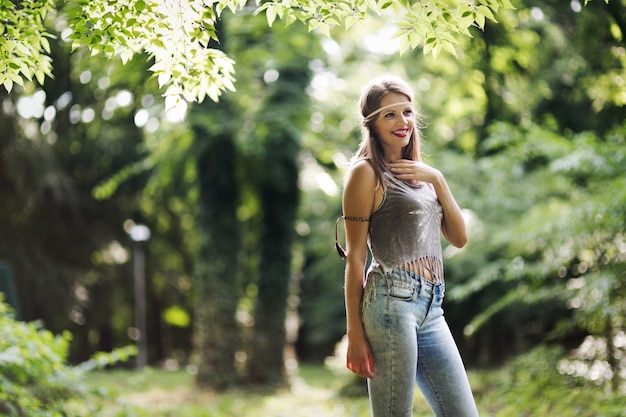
[397, 206]
[394, 124]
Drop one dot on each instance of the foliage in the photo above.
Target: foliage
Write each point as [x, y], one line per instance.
[527, 125]
[560, 223]
[436, 27]
[532, 385]
[34, 378]
[565, 248]
[194, 68]
[64, 245]
[176, 35]
[555, 191]
[24, 47]
[32, 373]
[432, 24]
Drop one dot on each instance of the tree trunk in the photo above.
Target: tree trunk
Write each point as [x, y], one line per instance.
[216, 331]
[279, 195]
[279, 204]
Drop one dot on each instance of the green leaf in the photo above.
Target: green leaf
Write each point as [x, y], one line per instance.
[448, 46]
[486, 11]
[23, 49]
[508, 5]
[15, 77]
[45, 44]
[350, 21]
[163, 78]
[480, 21]
[324, 29]
[428, 47]
[41, 76]
[271, 15]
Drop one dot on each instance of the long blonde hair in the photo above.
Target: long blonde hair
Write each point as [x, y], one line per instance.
[370, 148]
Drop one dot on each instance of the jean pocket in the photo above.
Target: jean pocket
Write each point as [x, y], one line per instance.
[402, 292]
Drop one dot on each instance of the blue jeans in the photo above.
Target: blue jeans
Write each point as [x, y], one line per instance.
[411, 342]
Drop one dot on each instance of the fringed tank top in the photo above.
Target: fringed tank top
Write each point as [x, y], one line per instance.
[404, 231]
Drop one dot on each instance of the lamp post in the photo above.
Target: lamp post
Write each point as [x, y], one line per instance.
[140, 233]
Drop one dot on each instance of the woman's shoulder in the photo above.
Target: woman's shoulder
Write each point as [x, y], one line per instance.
[361, 170]
[363, 166]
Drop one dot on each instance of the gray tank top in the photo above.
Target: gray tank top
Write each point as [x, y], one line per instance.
[404, 231]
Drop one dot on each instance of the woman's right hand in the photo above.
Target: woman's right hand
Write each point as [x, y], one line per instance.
[358, 200]
[360, 359]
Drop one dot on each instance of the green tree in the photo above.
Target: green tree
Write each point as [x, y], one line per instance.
[217, 283]
[24, 46]
[548, 228]
[193, 70]
[79, 157]
[265, 177]
[51, 161]
[279, 195]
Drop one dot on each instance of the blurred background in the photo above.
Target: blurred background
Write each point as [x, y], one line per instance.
[203, 234]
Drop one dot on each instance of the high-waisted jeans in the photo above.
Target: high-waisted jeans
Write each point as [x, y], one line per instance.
[411, 341]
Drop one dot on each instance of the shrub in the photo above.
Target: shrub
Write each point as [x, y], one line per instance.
[532, 385]
[34, 377]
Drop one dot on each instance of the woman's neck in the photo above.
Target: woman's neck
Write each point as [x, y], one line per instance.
[388, 158]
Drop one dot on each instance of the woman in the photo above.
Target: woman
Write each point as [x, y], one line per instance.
[398, 205]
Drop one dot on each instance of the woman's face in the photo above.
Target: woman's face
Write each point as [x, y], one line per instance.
[394, 125]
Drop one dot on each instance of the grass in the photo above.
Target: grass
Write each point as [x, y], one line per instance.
[161, 393]
[516, 390]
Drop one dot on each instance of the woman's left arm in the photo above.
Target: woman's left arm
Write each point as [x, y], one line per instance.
[453, 224]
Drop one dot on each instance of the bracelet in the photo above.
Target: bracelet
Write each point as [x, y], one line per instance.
[357, 219]
[340, 250]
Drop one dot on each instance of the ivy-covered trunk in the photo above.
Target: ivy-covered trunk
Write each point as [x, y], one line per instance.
[279, 199]
[216, 330]
[279, 195]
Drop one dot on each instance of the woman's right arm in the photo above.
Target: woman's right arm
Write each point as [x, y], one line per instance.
[358, 201]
